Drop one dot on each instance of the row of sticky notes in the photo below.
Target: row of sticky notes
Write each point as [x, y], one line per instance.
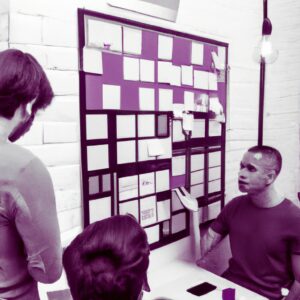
[143, 184]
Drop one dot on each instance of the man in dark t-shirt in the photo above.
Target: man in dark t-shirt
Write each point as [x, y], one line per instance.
[263, 228]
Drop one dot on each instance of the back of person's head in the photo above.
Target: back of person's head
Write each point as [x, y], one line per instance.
[22, 80]
[108, 260]
[271, 154]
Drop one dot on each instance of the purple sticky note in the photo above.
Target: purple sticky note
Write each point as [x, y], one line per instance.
[93, 88]
[181, 51]
[149, 45]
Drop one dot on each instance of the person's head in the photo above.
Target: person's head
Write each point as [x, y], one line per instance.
[259, 168]
[24, 89]
[108, 260]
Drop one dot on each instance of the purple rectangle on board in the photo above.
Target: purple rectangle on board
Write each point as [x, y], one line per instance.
[112, 68]
[93, 91]
[177, 181]
[130, 95]
[178, 94]
[222, 94]
[181, 51]
[149, 45]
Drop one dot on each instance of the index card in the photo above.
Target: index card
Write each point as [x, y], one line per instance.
[197, 53]
[197, 190]
[176, 203]
[189, 104]
[165, 99]
[111, 96]
[128, 187]
[96, 127]
[214, 186]
[146, 125]
[131, 68]
[178, 223]
[188, 122]
[163, 72]
[147, 69]
[199, 128]
[92, 60]
[105, 35]
[147, 183]
[214, 173]
[100, 209]
[132, 40]
[197, 162]
[146, 99]
[106, 186]
[167, 145]
[197, 177]
[201, 80]
[126, 126]
[155, 148]
[178, 135]
[148, 214]
[214, 159]
[94, 186]
[222, 57]
[152, 234]
[162, 125]
[178, 165]
[163, 210]
[126, 152]
[175, 75]
[97, 157]
[143, 150]
[162, 181]
[215, 128]
[165, 47]
[212, 81]
[187, 75]
[130, 207]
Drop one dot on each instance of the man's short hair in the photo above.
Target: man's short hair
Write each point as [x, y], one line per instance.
[22, 79]
[270, 152]
[108, 260]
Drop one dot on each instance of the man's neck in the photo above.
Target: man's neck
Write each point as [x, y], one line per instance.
[268, 197]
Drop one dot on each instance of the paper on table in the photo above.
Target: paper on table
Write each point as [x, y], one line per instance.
[162, 181]
[128, 187]
[187, 75]
[148, 213]
[165, 47]
[97, 157]
[111, 96]
[105, 35]
[175, 75]
[152, 234]
[131, 68]
[178, 222]
[126, 126]
[199, 128]
[96, 127]
[197, 162]
[155, 148]
[126, 152]
[165, 99]
[178, 135]
[146, 99]
[130, 207]
[147, 183]
[164, 69]
[147, 69]
[178, 165]
[132, 40]
[100, 209]
[92, 60]
[201, 80]
[212, 81]
[146, 125]
[214, 159]
[197, 53]
[189, 104]
[163, 210]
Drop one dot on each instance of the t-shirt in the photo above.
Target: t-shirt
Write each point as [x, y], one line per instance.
[262, 241]
[30, 248]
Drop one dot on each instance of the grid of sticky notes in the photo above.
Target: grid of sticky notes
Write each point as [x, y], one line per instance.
[130, 68]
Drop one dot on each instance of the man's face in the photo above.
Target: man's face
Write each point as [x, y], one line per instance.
[254, 174]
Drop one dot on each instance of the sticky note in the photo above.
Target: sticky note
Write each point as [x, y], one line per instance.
[201, 80]
[165, 99]
[212, 81]
[94, 186]
[97, 157]
[92, 60]
[162, 125]
[148, 214]
[128, 187]
[176, 203]
[146, 125]
[111, 96]
[189, 104]
[152, 234]
[214, 159]
[215, 128]
[163, 71]
[100, 209]
[197, 177]
[106, 183]
[131, 68]
[197, 162]
[178, 134]
[175, 75]
[163, 210]
[214, 173]
[155, 148]
[214, 186]
[126, 126]
[178, 223]
[166, 228]
[165, 47]
[143, 153]
[162, 180]
[126, 152]
[132, 40]
[178, 109]
[199, 128]
[96, 127]
[178, 165]
[147, 70]
[187, 77]
[129, 207]
[167, 145]
[222, 57]
[188, 121]
[147, 183]
[146, 99]
[197, 190]
[197, 53]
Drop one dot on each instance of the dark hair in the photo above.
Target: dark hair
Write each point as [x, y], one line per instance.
[22, 79]
[108, 260]
[271, 153]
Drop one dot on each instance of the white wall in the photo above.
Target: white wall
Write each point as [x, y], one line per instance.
[48, 30]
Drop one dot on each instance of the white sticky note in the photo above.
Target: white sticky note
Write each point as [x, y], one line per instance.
[215, 105]
[215, 128]
[111, 96]
[178, 135]
[214, 186]
[147, 183]
[175, 75]
[197, 53]
[146, 125]
[201, 80]
[130, 207]
[155, 148]
[197, 177]
[212, 81]
[128, 187]
[147, 70]
[152, 234]
[105, 35]
[178, 223]
[132, 40]
[148, 213]
[162, 180]
[188, 121]
[176, 203]
[178, 165]
[167, 145]
[146, 99]
[96, 127]
[197, 162]
[131, 68]
[97, 157]
[222, 57]
[126, 152]
[187, 77]
[163, 70]
[214, 159]
[197, 190]
[143, 151]
[199, 128]
[165, 47]
[189, 104]
[214, 173]
[100, 209]
[165, 97]
[219, 65]
[125, 126]
[92, 60]
[178, 109]
[163, 210]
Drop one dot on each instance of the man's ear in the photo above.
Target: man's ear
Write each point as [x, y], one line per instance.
[271, 176]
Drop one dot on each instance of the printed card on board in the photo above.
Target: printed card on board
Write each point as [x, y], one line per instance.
[128, 187]
[148, 213]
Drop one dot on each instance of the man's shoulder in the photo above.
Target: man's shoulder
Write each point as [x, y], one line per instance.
[237, 200]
